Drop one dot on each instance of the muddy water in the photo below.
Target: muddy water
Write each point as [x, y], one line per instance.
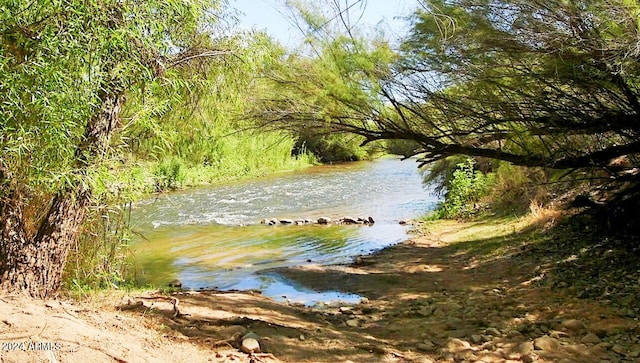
[211, 237]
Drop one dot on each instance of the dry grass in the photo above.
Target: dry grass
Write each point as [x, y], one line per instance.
[543, 216]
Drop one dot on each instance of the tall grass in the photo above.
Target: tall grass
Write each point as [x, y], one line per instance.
[99, 260]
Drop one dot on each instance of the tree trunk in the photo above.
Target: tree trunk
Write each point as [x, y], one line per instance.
[34, 264]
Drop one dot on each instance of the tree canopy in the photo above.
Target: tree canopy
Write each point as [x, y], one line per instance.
[66, 68]
[535, 83]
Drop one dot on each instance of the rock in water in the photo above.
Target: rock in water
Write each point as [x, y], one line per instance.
[371, 220]
[349, 220]
[286, 221]
[324, 220]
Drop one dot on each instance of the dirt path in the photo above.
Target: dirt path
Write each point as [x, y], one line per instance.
[461, 292]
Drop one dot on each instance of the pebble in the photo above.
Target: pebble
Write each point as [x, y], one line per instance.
[353, 323]
[604, 346]
[488, 346]
[493, 331]
[426, 346]
[250, 345]
[557, 334]
[573, 325]
[525, 348]
[455, 344]
[545, 343]
[619, 349]
[511, 356]
[590, 339]
[425, 312]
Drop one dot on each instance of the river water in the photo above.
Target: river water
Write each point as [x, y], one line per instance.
[211, 237]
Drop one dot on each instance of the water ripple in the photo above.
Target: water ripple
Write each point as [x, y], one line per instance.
[193, 236]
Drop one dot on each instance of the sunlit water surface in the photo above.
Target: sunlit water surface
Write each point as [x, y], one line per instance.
[211, 237]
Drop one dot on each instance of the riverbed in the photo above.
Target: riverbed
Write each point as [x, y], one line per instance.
[211, 237]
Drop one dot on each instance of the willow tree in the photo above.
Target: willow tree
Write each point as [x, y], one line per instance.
[535, 83]
[65, 69]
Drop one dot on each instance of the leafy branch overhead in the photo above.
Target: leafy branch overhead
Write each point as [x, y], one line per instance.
[535, 83]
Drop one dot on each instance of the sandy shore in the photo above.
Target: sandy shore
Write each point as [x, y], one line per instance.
[459, 292]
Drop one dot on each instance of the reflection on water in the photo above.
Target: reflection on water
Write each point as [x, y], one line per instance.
[195, 235]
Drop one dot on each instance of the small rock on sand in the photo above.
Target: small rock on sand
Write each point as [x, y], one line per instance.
[353, 323]
[250, 343]
[573, 325]
[546, 343]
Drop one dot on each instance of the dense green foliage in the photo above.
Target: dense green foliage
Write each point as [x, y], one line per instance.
[187, 134]
[105, 100]
[59, 56]
[551, 85]
[199, 136]
[465, 187]
[471, 187]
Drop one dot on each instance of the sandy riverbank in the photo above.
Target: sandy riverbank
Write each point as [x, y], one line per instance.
[476, 291]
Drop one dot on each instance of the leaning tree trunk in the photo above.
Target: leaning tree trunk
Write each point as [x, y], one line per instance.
[34, 264]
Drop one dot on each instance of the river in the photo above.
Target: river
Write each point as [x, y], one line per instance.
[210, 237]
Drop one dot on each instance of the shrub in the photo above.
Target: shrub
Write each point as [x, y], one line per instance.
[466, 186]
[170, 174]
